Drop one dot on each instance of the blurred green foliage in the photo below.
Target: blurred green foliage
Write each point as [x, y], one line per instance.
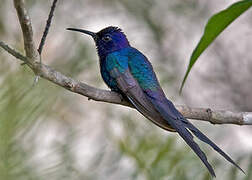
[48, 133]
[215, 25]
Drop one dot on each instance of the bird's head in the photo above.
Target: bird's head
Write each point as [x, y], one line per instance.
[107, 40]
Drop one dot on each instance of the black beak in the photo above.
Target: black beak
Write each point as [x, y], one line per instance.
[94, 35]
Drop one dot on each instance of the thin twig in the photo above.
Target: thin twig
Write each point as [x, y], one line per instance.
[48, 23]
[12, 51]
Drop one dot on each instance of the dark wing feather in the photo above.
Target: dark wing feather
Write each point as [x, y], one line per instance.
[130, 87]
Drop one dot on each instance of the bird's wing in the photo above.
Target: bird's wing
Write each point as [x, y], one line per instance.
[130, 87]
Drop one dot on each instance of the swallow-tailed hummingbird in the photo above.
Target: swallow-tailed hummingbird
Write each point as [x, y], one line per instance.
[128, 72]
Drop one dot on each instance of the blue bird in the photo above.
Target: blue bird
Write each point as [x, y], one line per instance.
[127, 71]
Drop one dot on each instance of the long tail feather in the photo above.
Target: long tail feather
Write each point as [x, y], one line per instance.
[180, 124]
[186, 135]
[183, 132]
[205, 139]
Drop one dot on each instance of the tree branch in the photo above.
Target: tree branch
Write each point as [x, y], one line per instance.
[26, 25]
[216, 116]
[46, 72]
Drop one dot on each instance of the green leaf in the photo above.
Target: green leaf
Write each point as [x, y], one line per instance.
[215, 25]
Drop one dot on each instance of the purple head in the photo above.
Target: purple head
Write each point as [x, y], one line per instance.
[107, 40]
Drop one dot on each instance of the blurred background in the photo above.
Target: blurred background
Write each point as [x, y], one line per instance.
[47, 132]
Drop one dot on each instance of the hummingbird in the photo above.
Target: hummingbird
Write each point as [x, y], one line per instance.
[128, 72]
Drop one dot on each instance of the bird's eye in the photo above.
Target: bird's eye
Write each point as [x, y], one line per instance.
[106, 38]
